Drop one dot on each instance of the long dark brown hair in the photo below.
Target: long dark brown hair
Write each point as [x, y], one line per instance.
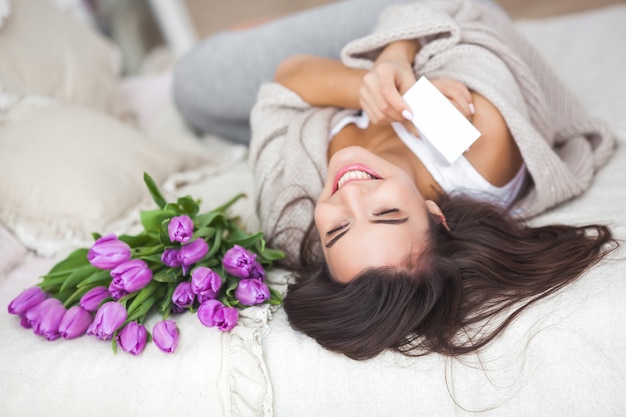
[464, 289]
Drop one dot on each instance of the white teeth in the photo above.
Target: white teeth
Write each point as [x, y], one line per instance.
[353, 175]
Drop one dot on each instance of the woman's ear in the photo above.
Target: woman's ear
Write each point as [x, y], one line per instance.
[435, 210]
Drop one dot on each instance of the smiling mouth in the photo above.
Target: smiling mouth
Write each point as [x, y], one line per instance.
[350, 174]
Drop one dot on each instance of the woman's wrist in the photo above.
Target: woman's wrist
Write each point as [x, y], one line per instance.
[321, 81]
[404, 50]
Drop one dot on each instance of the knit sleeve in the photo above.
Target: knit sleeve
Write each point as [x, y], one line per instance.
[477, 43]
[434, 27]
[288, 160]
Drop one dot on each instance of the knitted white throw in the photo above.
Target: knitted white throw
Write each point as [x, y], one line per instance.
[471, 42]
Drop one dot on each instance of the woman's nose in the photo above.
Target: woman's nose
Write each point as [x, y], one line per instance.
[353, 195]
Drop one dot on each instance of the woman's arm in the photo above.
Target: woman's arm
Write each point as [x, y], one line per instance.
[327, 82]
[495, 154]
[321, 82]
[391, 76]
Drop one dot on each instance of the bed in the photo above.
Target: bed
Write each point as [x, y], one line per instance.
[75, 139]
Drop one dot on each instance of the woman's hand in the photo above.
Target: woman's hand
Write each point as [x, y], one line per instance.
[383, 86]
[458, 93]
[382, 89]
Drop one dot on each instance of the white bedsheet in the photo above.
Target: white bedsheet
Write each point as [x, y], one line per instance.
[563, 357]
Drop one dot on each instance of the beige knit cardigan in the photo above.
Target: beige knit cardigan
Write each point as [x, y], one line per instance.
[475, 43]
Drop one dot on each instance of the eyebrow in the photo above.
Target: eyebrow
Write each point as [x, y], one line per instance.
[378, 221]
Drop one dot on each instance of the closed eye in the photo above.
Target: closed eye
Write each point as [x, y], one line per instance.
[336, 229]
[339, 236]
[387, 211]
[345, 229]
[387, 219]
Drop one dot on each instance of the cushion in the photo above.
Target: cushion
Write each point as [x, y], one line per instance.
[48, 52]
[11, 249]
[67, 171]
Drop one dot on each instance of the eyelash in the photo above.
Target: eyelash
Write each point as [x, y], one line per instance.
[343, 225]
[386, 211]
[336, 229]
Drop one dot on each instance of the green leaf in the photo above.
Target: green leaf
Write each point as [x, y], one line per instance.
[275, 297]
[167, 275]
[53, 283]
[154, 190]
[229, 203]
[260, 246]
[76, 295]
[142, 239]
[74, 260]
[205, 233]
[271, 255]
[156, 259]
[78, 275]
[99, 278]
[216, 245]
[212, 218]
[244, 240]
[229, 301]
[141, 252]
[152, 219]
[188, 206]
[166, 304]
[212, 262]
[163, 235]
[175, 208]
[231, 286]
[142, 295]
[141, 312]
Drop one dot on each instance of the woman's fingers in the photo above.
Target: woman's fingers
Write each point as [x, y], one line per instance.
[458, 93]
[382, 89]
[381, 92]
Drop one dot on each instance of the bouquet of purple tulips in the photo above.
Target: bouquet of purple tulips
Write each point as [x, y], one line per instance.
[182, 261]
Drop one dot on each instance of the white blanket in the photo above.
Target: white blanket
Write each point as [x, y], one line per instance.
[562, 357]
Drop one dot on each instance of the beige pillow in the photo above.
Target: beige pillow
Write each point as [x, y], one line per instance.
[67, 171]
[47, 52]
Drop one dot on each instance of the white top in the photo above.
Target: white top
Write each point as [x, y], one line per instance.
[459, 177]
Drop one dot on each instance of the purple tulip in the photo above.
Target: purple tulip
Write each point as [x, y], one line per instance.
[170, 258]
[131, 276]
[75, 322]
[191, 253]
[24, 322]
[165, 335]
[177, 310]
[180, 229]
[257, 271]
[92, 298]
[26, 300]
[115, 291]
[132, 338]
[205, 283]
[45, 318]
[213, 313]
[237, 261]
[108, 252]
[183, 295]
[109, 318]
[251, 291]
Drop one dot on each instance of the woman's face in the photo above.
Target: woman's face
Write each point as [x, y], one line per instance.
[370, 214]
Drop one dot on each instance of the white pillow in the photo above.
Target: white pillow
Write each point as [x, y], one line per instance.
[67, 171]
[48, 52]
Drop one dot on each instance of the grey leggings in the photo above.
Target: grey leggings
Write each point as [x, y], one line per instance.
[215, 85]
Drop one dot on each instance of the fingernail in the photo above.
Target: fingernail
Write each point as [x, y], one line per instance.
[472, 110]
[407, 115]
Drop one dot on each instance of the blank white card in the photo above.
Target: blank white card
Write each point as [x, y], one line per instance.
[438, 120]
